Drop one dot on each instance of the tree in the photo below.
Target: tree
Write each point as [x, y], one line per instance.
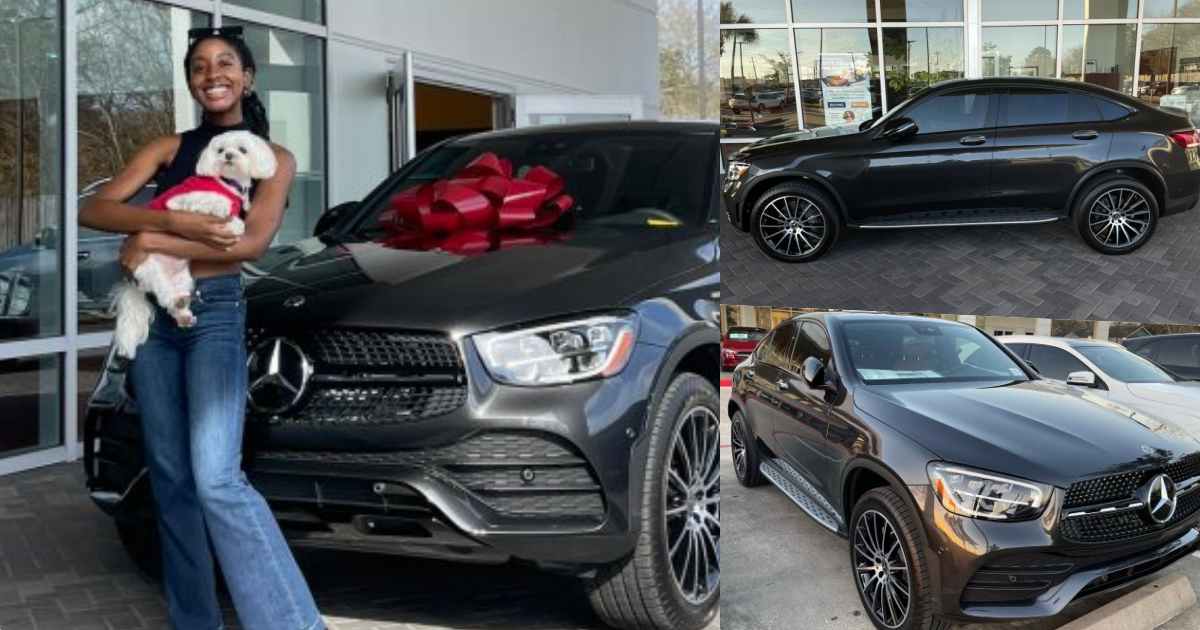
[1042, 59]
[687, 70]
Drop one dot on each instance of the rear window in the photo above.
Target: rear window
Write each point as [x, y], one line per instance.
[1111, 110]
[1048, 107]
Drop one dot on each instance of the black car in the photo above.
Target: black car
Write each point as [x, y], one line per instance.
[545, 394]
[1178, 354]
[974, 152]
[970, 488]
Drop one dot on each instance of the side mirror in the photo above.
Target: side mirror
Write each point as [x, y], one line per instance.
[330, 217]
[1086, 379]
[866, 124]
[899, 129]
[813, 372]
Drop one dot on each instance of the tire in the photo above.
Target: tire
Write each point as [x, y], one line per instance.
[1110, 207]
[642, 592]
[878, 506]
[141, 542]
[742, 445]
[795, 206]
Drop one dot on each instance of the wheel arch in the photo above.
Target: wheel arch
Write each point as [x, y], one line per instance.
[760, 186]
[1140, 171]
[862, 475]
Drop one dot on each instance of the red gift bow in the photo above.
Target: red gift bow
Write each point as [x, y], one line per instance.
[481, 208]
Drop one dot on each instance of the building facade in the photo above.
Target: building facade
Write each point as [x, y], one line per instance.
[352, 87]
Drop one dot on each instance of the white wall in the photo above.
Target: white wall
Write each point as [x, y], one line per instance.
[511, 47]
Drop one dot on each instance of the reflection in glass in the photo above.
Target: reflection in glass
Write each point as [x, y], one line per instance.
[290, 83]
[29, 409]
[91, 366]
[1099, 53]
[1170, 66]
[758, 96]
[121, 108]
[915, 58]
[1019, 51]
[307, 10]
[823, 11]
[31, 178]
[838, 69]
[753, 11]
[1099, 10]
[1172, 8]
[922, 10]
[1002, 10]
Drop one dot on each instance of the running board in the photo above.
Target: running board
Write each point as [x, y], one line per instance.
[801, 493]
[962, 218]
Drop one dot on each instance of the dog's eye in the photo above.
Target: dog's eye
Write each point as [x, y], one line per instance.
[242, 149]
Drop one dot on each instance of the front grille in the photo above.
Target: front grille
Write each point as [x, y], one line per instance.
[1016, 580]
[1122, 485]
[1117, 526]
[373, 377]
[520, 474]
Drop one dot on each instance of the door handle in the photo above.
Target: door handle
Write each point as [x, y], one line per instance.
[83, 255]
[1086, 134]
[782, 384]
[972, 140]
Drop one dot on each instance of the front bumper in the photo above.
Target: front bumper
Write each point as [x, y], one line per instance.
[987, 570]
[544, 475]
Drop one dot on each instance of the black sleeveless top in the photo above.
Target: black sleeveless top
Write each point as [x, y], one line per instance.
[191, 145]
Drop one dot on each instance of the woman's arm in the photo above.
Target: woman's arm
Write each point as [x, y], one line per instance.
[262, 221]
[107, 210]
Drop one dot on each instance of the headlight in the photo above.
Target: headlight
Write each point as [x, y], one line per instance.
[559, 353]
[977, 494]
[737, 170]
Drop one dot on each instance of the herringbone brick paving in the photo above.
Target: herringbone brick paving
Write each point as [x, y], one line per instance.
[1033, 270]
[63, 568]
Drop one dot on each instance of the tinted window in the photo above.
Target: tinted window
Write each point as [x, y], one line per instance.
[780, 352]
[1018, 348]
[1047, 107]
[1054, 362]
[887, 352]
[819, 339]
[951, 112]
[1124, 365]
[1110, 110]
[763, 351]
[805, 347]
[1179, 352]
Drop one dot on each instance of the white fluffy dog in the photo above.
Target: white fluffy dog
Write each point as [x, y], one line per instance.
[221, 188]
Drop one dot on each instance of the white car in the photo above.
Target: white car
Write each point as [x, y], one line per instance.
[1111, 372]
[1186, 98]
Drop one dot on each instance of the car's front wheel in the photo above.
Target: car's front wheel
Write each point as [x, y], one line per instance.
[794, 222]
[672, 579]
[1116, 215]
[888, 562]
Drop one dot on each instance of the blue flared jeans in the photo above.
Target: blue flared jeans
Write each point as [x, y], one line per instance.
[190, 385]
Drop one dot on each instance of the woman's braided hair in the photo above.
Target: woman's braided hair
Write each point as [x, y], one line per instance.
[253, 111]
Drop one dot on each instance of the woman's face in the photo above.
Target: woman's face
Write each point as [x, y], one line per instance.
[216, 76]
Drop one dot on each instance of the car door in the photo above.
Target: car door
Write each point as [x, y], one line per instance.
[800, 432]
[946, 165]
[768, 380]
[1045, 140]
[1057, 363]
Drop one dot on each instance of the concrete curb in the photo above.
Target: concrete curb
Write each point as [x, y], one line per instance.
[1146, 608]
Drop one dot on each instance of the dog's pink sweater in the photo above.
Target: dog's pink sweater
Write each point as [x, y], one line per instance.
[197, 183]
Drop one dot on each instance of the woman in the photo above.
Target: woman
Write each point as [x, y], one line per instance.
[190, 383]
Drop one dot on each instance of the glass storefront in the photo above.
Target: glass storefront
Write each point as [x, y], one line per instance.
[1151, 51]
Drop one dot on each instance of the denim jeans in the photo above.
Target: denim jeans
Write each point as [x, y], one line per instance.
[190, 385]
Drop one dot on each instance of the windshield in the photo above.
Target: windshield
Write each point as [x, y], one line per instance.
[890, 352]
[746, 334]
[1124, 365]
[633, 179]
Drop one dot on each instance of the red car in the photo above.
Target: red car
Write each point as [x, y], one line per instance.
[738, 343]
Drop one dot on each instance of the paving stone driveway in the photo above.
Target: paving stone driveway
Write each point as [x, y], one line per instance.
[62, 567]
[1035, 270]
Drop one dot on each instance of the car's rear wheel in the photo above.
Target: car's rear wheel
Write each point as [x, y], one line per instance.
[794, 222]
[1116, 215]
[672, 579]
[745, 456]
[888, 562]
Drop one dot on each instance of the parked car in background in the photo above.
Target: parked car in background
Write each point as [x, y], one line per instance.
[769, 100]
[738, 343]
[1110, 371]
[1006, 150]
[738, 101]
[1178, 354]
[545, 395]
[971, 488]
[1185, 98]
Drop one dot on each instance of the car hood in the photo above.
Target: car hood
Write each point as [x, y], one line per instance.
[367, 284]
[1036, 430]
[808, 140]
[1185, 396]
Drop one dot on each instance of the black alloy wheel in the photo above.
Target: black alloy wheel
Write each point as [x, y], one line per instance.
[1117, 215]
[794, 222]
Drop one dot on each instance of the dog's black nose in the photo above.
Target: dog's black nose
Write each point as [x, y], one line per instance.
[229, 156]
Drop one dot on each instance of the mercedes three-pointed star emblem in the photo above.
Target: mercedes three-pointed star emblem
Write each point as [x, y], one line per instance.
[1160, 499]
[279, 373]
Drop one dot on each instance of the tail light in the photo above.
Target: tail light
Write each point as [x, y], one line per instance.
[1186, 139]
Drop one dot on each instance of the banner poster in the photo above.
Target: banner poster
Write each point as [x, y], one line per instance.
[845, 87]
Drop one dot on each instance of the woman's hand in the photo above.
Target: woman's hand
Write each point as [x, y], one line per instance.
[134, 251]
[209, 230]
